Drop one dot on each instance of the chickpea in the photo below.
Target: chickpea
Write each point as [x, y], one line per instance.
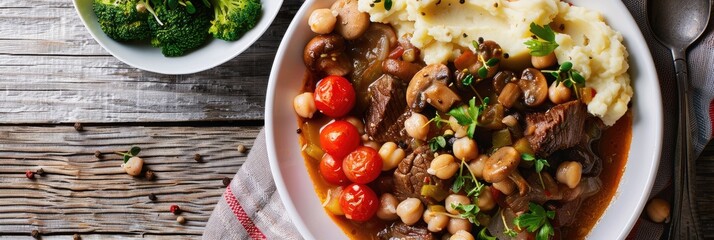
[391, 155]
[431, 211]
[304, 105]
[485, 199]
[410, 211]
[133, 166]
[544, 61]
[465, 149]
[456, 224]
[387, 207]
[443, 166]
[658, 210]
[436, 222]
[459, 131]
[506, 186]
[462, 235]
[569, 173]
[558, 93]
[374, 145]
[416, 126]
[357, 123]
[455, 200]
[322, 21]
[476, 166]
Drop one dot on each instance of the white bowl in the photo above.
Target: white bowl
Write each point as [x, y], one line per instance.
[296, 188]
[143, 56]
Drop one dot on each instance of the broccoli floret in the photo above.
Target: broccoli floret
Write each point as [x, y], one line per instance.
[179, 31]
[122, 20]
[233, 18]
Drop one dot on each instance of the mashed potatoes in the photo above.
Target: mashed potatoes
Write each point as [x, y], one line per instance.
[442, 28]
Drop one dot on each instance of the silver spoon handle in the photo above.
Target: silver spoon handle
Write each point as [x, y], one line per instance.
[684, 217]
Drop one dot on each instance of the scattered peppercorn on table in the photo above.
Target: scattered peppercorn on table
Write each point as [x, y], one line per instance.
[194, 132]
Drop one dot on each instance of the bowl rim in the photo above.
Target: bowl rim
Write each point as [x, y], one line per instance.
[267, 16]
[636, 39]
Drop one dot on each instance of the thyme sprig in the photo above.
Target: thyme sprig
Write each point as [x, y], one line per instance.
[568, 76]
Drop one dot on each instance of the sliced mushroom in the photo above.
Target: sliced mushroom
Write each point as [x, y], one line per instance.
[502, 78]
[351, 23]
[430, 85]
[401, 69]
[503, 164]
[534, 87]
[325, 54]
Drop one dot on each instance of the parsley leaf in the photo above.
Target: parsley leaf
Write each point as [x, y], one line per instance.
[537, 218]
[469, 115]
[437, 143]
[468, 212]
[543, 32]
[546, 42]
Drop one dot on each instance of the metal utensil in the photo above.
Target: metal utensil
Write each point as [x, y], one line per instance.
[677, 24]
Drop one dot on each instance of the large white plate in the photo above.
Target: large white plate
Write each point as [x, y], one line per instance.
[143, 56]
[296, 189]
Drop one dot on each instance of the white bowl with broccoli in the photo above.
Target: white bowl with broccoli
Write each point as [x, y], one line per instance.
[176, 36]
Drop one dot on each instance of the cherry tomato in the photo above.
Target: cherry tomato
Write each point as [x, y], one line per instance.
[359, 202]
[362, 165]
[334, 96]
[339, 138]
[331, 170]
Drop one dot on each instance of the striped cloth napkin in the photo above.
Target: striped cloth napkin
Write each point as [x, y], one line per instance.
[250, 208]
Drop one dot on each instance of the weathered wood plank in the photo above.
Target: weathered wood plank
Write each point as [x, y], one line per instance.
[81, 193]
[54, 72]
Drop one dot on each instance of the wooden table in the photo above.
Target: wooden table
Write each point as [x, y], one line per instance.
[53, 74]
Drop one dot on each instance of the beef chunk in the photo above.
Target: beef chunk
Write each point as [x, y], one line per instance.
[399, 230]
[560, 127]
[387, 110]
[411, 174]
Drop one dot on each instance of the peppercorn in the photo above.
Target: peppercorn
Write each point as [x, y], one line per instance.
[197, 157]
[40, 172]
[175, 209]
[149, 175]
[78, 126]
[226, 181]
[29, 174]
[152, 197]
[76, 237]
[97, 154]
[35, 234]
[298, 131]
[241, 148]
[181, 219]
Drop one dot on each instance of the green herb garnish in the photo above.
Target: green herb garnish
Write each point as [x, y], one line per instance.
[536, 220]
[568, 76]
[467, 182]
[545, 44]
[469, 116]
[437, 120]
[486, 64]
[539, 165]
[468, 212]
[483, 235]
[437, 143]
[133, 152]
[508, 231]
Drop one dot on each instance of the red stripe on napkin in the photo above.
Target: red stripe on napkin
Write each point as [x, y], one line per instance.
[248, 224]
[711, 115]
